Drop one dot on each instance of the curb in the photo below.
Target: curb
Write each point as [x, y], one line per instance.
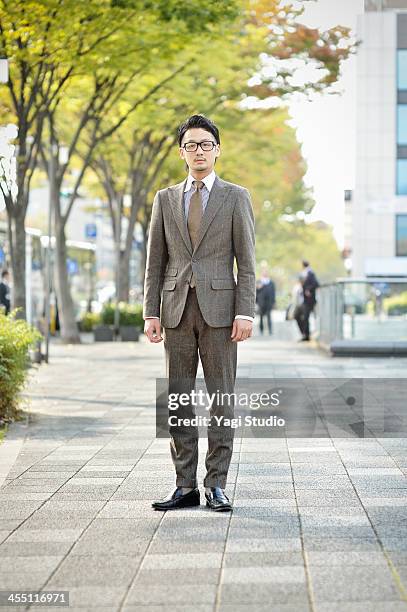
[10, 448]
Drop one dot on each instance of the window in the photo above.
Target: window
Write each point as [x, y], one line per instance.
[402, 124]
[402, 69]
[401, 235]
[402, 177]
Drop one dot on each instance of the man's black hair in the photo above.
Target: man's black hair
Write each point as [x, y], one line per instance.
[4, 273]
[198, 121]
[305, 263]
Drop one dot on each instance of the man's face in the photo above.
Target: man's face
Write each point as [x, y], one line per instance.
[199, 161]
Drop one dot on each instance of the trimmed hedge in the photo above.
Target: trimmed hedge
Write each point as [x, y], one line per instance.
[16, 338]
[396, 304]
[129, 315]
[89, 321]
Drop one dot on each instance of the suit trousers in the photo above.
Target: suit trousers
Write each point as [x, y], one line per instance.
[184, 344]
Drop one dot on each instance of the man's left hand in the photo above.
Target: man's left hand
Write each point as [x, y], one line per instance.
[241, 330]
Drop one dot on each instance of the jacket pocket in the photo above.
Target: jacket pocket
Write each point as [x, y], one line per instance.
[171, 272]
[169, 285]
[223, 283]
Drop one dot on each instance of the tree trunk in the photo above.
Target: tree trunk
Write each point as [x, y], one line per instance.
[17, 252]
[66, 309]
[124, 272]
[144, 254]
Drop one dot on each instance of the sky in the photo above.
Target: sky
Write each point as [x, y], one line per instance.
[326, 126]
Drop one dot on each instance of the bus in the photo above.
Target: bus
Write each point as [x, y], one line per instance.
[81, 266]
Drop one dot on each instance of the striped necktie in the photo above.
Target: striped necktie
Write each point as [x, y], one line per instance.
[195, 216]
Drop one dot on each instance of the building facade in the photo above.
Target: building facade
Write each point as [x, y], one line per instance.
[379, 203]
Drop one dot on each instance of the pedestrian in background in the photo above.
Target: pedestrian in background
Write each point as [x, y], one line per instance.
[310, 284]
[5, 291]
[265, 299]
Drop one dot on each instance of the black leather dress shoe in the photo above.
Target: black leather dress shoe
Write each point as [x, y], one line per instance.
[217, 500]
[178, 500]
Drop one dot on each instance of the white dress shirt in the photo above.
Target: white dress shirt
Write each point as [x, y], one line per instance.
[208, 182]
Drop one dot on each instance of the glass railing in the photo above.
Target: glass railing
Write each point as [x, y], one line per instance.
[372, 309]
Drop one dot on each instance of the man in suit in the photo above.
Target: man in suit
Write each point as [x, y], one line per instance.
[309, 286]
[198, 228]
[265, 298]
[5, 292]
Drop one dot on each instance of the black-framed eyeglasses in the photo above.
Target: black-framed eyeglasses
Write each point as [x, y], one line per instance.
[206, 145]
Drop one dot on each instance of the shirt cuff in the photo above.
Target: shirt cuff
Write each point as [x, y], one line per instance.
[244, 317]
[145, 318]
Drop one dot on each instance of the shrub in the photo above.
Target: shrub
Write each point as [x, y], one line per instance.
[89, 320]
[396, 304]
[129, 315]
[16, 338]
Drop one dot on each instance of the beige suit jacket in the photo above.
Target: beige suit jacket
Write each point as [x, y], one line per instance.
[226, 234]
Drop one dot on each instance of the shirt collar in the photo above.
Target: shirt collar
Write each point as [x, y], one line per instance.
[208, 181]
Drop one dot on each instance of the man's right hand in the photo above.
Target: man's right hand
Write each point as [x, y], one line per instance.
[152, 329]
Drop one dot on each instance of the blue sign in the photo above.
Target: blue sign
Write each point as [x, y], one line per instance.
[90, 230]
[2, 257]
[72, 266]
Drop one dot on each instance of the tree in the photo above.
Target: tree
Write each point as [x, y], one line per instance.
[45, 55]
[219, 78]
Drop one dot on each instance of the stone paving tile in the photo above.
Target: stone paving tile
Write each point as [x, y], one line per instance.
[327, 497]
[346, 558]
[14, 495]
[327, 531]
[45, 535]
[117, 543]
[95, 570]
[277, 491]
[394, 544]
[4, 534]
[345, 543]
[162, 594]
[76, 494]
[10, 566]
[263, 559]
[13, 509]
[33, 548]
[263, 544]
[273, 594]
[264, 575]
[33, 581]
[164, 608]
[10, 525]
[260, 607]
[56, 522]
[185, 561]
[169, 576]
[343, 583]
[68, 509]
[181, 547]
[34, 475]
[361, 606]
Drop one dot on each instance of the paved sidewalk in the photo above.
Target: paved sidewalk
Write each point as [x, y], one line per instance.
[319, 524]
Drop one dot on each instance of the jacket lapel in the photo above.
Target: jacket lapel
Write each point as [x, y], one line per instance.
[215, 201]
[176, 197]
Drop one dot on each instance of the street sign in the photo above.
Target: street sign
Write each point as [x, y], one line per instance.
[90, 230]
[72, 266]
